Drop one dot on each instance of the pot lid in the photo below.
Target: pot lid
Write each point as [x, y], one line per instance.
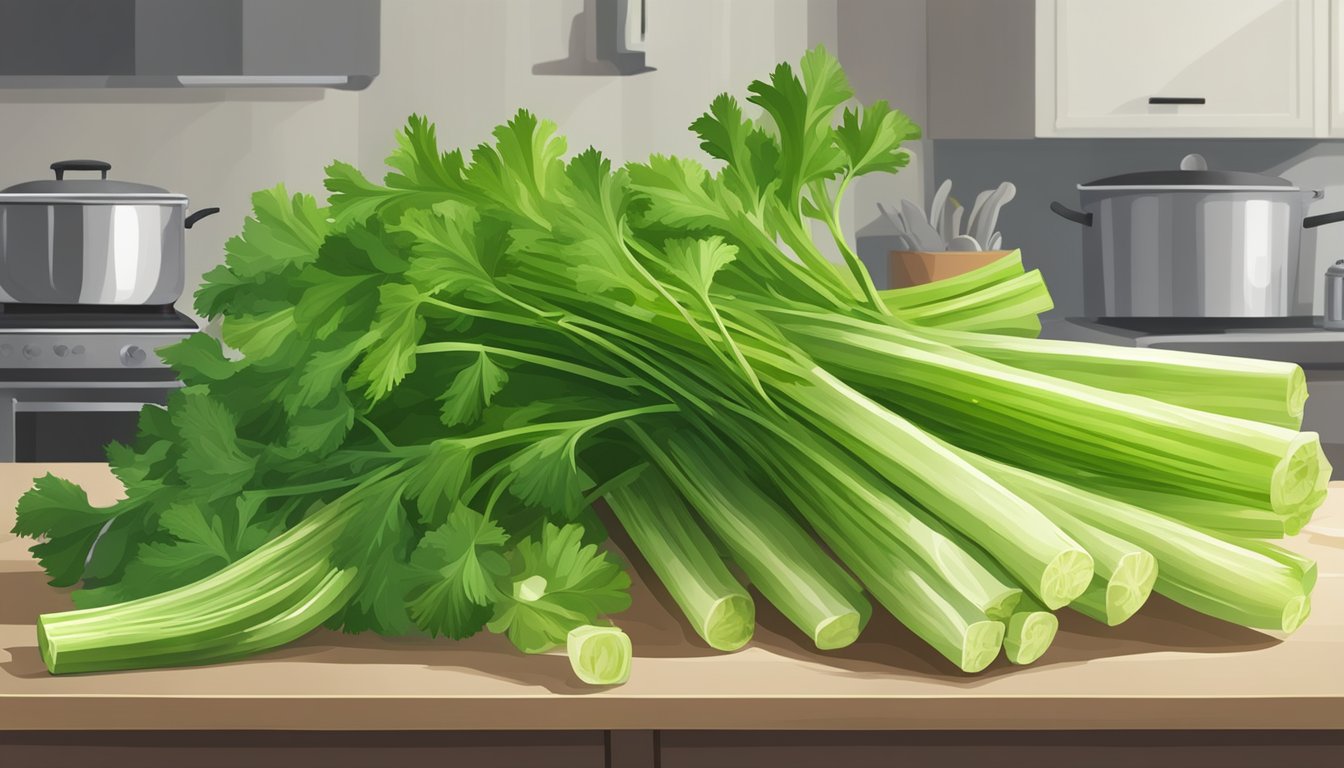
[86, 188]
[1194, 172]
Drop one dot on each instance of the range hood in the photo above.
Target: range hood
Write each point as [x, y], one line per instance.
[175, 43]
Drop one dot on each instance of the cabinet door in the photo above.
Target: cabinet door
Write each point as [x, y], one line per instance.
[1177, 67]
[1336, 74]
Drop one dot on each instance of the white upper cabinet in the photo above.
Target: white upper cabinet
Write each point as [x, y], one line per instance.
[1136, 68]
[1176, 67]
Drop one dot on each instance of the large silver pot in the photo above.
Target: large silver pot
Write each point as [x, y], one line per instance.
[92, 241]
[1194, 243]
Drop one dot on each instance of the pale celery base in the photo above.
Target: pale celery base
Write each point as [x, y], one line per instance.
[837, 631]
[1028, 636]
[730, 623]
[1065, 578]
[982, 643]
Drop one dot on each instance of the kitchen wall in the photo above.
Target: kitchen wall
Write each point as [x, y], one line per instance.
[1049, 169]
[468, 65]
[699, 49]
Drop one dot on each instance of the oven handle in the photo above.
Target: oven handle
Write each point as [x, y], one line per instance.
[75, 406]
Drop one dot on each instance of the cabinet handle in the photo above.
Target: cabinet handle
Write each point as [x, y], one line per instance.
[1176, 100]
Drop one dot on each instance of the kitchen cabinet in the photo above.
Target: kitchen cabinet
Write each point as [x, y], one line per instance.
[1134, 68]
[1240, 67]
[1168, 686]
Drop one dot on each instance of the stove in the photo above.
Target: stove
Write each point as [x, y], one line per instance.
[1301, 340]
[74, 378]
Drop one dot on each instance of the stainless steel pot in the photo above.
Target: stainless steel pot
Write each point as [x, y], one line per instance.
[92, 241]
[1194, 243]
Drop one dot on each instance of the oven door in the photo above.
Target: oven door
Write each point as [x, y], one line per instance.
[56, 421]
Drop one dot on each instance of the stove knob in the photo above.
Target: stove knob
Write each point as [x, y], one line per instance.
[60, 350]
[30, 351]
[6, 350]
[132, 355]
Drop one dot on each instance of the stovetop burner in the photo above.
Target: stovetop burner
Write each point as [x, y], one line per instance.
[83, 316]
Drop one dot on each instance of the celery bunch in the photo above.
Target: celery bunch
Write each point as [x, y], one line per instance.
[440, 374]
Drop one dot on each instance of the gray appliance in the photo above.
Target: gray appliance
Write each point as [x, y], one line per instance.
[1302, 340]
[73, 379]
[175, 43]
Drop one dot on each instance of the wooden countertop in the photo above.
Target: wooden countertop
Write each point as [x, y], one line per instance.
[1165, 668]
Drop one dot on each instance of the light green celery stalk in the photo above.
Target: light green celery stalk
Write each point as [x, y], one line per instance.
[1214, 516]
[658, 522]
[1034, 550]
[1030, 418]
[782, 559]
[1022, 297]
[1124, 571]
[1236, 582]
[1029, 632]
[599, 655]
[918, 596]
[1260, 390]
[277, 594]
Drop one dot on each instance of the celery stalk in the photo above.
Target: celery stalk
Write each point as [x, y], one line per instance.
[599, 655]
[1029, 632]
[1259, 390]
[1030, 547]
[1019, 416]
[270, 597]
[1204, 572]
[1214, 516]
[660, 525]
[1125, 571]
[782, 559]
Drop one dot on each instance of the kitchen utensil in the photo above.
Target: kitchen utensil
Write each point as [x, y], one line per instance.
[980, 200]
[92, 241]
[936, 212]
[1194, 243]
[1334, 296]
[926, 237]
[945, 223]
[964, 243]
[995, 240]
[989, 216]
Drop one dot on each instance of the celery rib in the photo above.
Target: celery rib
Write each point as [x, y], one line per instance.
[685, 560]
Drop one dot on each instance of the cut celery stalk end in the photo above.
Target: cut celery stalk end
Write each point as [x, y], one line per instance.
[1207, 573]
[685, 560]
[1065, 578]
[1028, 635]
[1112, 601]
[599, 655]
[981, 646]
[782, 559]
[1030, 547]
[838, 631]
[730, 623]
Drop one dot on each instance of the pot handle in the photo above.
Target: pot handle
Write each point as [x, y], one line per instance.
[197, 216]
[61, 166]
[1312, 222]
[1077, 217]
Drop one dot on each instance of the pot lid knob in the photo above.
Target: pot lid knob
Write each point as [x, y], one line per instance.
[1194, 162]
